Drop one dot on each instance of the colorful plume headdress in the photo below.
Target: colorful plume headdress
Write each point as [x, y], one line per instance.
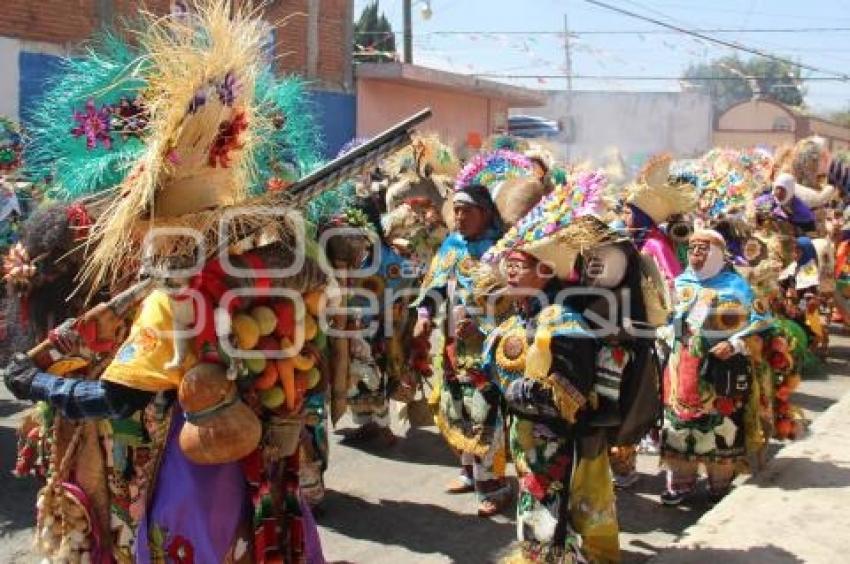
[561, 225]
[426, 152]
[93, 122]
[490, 169]
[175, 125]
[729, 179]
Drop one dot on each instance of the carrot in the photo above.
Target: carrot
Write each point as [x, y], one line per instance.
[268, 378]
[301, 387]
[286, 371]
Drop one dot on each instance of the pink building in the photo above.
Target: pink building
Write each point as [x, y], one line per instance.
[464, 107]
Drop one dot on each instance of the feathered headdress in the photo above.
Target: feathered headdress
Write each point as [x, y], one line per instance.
[427, 155]
[729, 179]
[560, 226]
[489, 169]
[179, 124]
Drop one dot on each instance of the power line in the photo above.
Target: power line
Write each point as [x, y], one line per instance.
[620, 31]
[731, 44]
[649, 77]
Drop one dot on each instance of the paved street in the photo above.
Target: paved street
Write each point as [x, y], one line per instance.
[387, 506]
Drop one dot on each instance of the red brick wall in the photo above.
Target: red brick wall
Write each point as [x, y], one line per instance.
[63, 21]
[334, 51]
[71, 21]
[291, 17]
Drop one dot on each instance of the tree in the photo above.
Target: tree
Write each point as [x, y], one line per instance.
[374, 41]
[730, 80]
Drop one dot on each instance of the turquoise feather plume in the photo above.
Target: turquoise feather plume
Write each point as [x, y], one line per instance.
[110, 69]
[106, 73]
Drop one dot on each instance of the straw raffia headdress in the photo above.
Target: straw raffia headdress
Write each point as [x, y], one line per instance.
[178, 127]
[656, 196]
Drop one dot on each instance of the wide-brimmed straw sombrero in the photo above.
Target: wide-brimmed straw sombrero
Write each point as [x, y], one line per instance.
[656, 196]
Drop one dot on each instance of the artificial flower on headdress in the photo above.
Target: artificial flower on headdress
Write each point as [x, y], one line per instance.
[105, 109]
[490, 169]
[170, 128]
[728, 179]
[560, 225]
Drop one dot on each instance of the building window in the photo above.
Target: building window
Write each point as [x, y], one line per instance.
[781, 123]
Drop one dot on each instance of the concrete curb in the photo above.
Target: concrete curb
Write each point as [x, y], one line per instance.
[795, 510]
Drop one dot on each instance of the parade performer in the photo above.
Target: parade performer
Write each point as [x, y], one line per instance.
[39, 273]
[808, 163]
[651, 201]
[791, 206]
[779, 356]
[419, 207]
[842, 272]
[315, 447]
[207, 375]
[411, 235]
[707, 381]
[803, 295]
[349, 249]
[545, 358]
[469, 406]
[627, 368]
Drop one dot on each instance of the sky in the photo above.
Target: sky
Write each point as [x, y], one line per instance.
[509, 38]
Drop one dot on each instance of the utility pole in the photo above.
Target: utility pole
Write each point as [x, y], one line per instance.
[408, 31]
[568, 70]
[568, 62]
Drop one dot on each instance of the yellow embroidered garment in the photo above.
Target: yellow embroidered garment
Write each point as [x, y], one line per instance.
[592, 509]
[140, 362]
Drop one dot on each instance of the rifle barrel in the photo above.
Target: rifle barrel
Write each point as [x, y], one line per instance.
[341, 167]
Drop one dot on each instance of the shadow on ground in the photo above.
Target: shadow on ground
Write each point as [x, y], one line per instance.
[640, 512]
[811, 402]
[419, 446]
[17, 508]
[421, 528]
[799, 473]
[767, 554]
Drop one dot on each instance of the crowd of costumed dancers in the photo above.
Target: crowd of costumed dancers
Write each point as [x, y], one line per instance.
[551, 319]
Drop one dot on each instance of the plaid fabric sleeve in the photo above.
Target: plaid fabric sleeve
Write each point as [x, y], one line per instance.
[80, 399]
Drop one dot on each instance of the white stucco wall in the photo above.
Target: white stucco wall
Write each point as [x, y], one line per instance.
[9, 77]
[635, 124]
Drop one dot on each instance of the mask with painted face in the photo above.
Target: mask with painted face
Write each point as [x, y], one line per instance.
[714, 263]
[605, 267]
